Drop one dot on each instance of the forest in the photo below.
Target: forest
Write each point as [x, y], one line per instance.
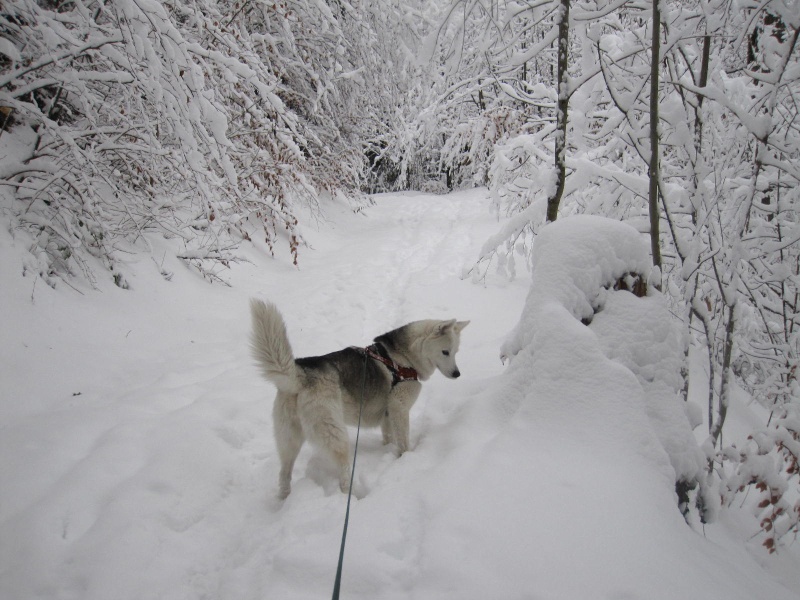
[225, 123]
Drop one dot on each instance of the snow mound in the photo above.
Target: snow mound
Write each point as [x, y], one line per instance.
[573, 259]
[631, 348]
[640, 334]
[574, 452]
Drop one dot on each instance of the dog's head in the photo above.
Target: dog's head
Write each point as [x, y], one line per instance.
[443, 345]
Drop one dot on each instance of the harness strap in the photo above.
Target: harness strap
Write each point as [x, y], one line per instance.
[399, 373]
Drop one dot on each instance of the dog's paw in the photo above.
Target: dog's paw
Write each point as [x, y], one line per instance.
[360, 487]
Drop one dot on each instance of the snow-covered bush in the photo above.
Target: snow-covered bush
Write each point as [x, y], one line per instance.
[578, 262]
[468, 153]
[210, 122]
[770, 462]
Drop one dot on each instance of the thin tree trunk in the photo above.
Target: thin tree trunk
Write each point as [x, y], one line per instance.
[702, 83]
[727, 374]
[698, 145]
[561, 118]
[655, 245]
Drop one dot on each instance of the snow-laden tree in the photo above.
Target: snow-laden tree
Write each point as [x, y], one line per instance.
[396, 113]
[729, 141]
[208, 121]
[754, 238]
[500, 60]
[695, 124]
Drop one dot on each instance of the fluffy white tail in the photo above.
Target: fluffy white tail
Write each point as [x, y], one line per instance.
[270, 346]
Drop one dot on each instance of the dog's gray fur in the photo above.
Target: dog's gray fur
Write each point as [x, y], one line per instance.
[318, 396]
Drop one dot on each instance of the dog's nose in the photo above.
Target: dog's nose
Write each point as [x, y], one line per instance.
[456, 374]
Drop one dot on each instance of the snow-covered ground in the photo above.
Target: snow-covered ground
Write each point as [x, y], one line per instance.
[137, 460]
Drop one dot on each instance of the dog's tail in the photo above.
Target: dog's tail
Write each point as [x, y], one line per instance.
[270, 346]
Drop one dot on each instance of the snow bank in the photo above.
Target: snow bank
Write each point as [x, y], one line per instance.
[640, 334]
[573, 259]
[633, 341]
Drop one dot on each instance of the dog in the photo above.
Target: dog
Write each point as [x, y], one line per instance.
[319, 395]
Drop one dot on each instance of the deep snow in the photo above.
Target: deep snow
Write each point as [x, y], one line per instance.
[137, 461]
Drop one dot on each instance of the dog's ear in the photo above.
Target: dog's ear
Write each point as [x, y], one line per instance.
[460, 325]
[443, 327]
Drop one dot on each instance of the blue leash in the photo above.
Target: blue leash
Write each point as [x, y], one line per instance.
[338, 582]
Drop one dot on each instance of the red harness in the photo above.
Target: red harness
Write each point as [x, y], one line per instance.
[399, 373]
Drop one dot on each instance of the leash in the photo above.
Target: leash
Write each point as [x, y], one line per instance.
[338, 582]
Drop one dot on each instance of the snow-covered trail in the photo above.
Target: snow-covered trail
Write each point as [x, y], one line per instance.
[403, 262]
[136, 433]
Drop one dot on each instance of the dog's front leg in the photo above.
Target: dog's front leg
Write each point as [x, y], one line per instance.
[386, 429]
[398, 426]
[397, 414]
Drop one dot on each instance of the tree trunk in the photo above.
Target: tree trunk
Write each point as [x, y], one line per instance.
[698, 122]
[727, 375]
[655, 246]
[698, 148]
[561, 117]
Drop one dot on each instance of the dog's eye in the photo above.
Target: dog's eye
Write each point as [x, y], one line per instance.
[446, 352]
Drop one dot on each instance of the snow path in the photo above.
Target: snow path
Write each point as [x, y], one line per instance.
[137, 459]
[141, 455]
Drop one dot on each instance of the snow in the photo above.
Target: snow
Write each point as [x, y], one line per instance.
[641, 334]
[574, 258]
[137, 458]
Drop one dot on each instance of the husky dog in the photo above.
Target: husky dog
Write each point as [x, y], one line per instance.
[319, 395]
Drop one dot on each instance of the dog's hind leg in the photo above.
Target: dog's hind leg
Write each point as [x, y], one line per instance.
[323, 423]
[288, 437]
